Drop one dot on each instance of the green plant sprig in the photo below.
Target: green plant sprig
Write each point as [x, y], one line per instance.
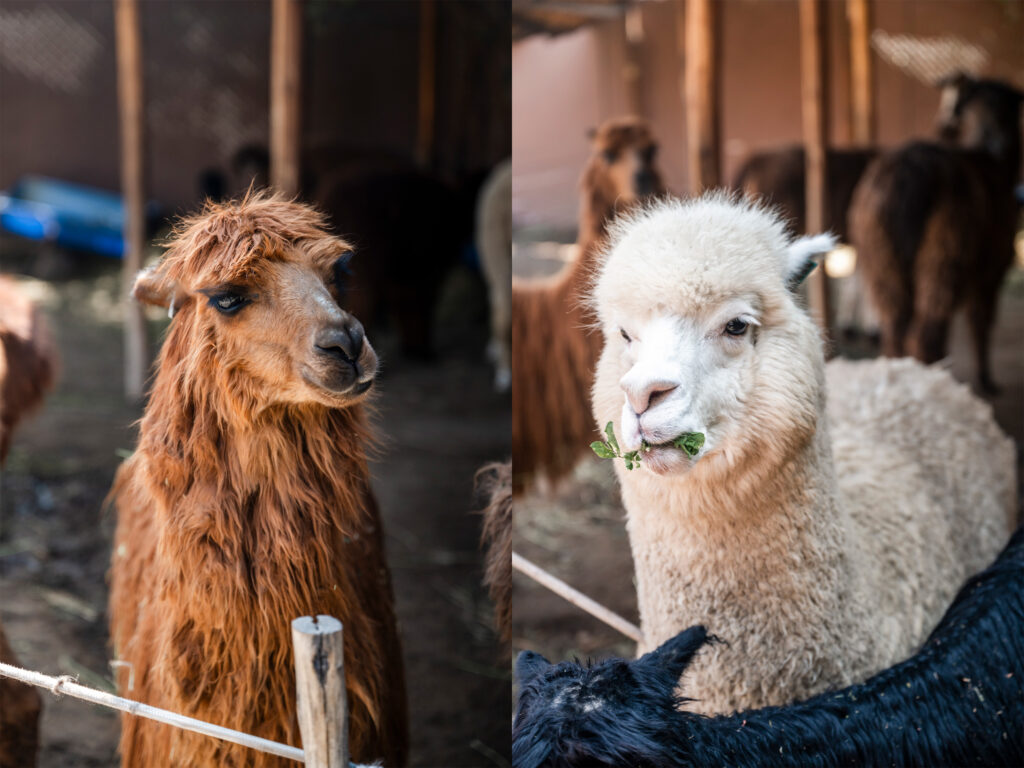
[691, 442]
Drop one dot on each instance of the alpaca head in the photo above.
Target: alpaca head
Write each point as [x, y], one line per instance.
[255, 289]
[622, 168]
[980, 114]
[703, 334]
[615, 712]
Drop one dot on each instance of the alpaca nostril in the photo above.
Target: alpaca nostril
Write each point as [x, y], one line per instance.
[346, 340]
[647, 395]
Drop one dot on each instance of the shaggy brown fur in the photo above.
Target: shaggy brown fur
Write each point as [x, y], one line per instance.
[554, 344]
[934, 225]
[28, 361]
[494, 482]
[19, 716]
[777, 178]
[27, 367]
[247, 502]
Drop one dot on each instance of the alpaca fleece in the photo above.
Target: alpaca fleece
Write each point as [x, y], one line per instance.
[239, 512]
[834, 509]
[494, 244]
[28, 363]
[555, 345]
[958, 701]
[934, 225]
[494, 482]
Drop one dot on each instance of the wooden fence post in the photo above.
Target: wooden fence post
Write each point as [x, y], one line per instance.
[320, 689]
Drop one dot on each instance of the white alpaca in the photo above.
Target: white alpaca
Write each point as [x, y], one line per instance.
[494, 244]
[821, 538]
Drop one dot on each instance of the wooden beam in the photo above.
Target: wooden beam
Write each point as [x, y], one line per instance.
[427, 84]
[814, 110]
[132, 120]
[320, 691]
[862, 105]
[632, 73]
[699, 41]
[285, 94]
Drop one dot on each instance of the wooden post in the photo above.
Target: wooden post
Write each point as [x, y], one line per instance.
[285, 95]
[320, 689]
[132, 119]
[427, 84]
[814, 110]
[862, 106]
[699, 49]
[632, 74]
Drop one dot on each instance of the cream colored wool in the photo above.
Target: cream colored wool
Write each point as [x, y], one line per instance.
[834, 510]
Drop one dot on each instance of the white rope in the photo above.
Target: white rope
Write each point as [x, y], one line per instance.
[66, 686]
[576, 597]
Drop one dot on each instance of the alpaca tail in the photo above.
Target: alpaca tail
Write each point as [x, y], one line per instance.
[494, 483]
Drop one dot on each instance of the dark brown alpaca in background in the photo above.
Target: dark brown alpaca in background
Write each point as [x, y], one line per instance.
[27, 367]
[934, 224]
[554, 344]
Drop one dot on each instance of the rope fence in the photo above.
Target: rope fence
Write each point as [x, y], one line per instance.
[320, 688]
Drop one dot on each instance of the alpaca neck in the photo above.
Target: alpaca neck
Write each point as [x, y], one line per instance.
[718, 546]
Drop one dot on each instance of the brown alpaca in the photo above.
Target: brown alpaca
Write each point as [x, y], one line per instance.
[247, 502]
[554, 344]
[494, 482]
[27, 367]
[933, 225]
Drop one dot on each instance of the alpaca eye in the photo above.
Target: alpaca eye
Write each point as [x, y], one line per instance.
[342, 270]
[609, 156]
[625, 335]
[736, 327]
[228, 303]
[647, 153]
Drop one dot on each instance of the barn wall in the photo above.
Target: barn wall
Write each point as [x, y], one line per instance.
[564, 85]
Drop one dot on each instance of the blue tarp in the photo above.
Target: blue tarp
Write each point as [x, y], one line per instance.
[70, 215]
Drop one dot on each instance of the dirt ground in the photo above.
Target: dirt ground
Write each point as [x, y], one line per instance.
[577, 530]
[441, 422]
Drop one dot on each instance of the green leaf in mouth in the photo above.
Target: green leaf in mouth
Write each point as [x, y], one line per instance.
[691, 442]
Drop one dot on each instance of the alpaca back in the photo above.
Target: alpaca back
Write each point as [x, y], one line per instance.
[927, 478]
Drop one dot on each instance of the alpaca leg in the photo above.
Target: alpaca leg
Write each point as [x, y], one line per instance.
[20, 706]
[981, 314]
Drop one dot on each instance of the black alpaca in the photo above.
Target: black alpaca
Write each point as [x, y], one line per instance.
[933, 224]
[958, 701]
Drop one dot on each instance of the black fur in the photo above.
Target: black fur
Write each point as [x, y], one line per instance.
[958, 701]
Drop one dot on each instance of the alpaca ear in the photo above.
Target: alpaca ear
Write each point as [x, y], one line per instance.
[803, 256]
[529, 665]
[674, 656]
[152, 287]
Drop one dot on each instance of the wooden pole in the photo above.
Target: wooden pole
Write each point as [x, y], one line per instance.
[427, 84]
[132, 117]
[862, 106]
[66, 686]
[285, 94]
[814, 110]
[320, 685]
[576, 597]
[698, 40]
[632, 74]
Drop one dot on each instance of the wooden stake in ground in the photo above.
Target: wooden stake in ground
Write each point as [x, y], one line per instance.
[320, 685]
[814, 110]
[285, 101]
[132, 119]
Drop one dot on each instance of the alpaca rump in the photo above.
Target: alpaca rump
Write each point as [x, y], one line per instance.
[934, 224]
[494, 482]
[247, 502]
[555, 345]
[958, 701]
[832, 511]
[20, 706]
[28, 361]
